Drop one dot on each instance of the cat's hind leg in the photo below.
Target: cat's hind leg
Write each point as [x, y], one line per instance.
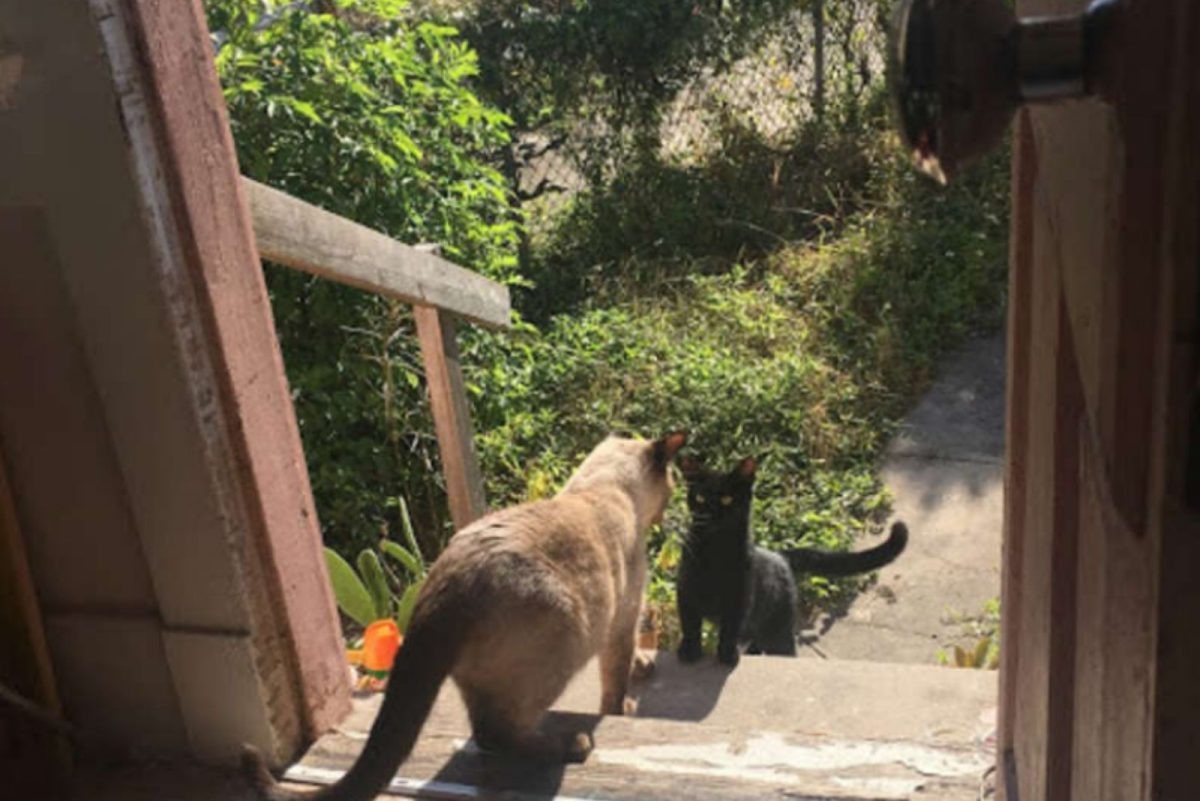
[497, 727]
[508, 683]
[779, 636]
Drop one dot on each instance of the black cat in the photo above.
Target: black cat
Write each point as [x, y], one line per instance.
[749, 591]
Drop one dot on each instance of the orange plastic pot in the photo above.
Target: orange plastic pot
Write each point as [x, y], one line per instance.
[381, 640]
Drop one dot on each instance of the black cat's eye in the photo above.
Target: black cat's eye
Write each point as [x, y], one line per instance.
[699, 498]
[726, 500]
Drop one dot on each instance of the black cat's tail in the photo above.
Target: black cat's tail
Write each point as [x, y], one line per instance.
[833, 563]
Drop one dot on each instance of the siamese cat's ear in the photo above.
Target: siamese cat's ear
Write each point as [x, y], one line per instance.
[746, 468]
[666, 447]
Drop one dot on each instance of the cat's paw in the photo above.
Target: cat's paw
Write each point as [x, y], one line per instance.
[728, 655]
[690, 651]
[576, 747]
[629, 707]
[643, 665]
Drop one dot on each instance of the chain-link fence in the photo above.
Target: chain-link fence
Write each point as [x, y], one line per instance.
[816, 56]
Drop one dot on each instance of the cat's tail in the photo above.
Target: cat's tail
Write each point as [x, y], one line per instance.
[833, 563]
[427, 656]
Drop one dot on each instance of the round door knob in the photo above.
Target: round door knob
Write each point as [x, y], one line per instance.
[960, 69]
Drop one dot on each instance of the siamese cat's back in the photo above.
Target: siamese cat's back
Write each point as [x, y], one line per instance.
[571, 533]
[548, 555]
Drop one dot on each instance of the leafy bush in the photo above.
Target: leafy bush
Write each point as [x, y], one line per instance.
[380, 588]
[553, 63]
[782, 299]
[367, 113]
[659, 218]
[805, 358]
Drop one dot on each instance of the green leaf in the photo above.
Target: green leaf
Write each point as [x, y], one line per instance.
[409, 536]
[406, 145]
[408, 600]
[979, 658]
[352, 596]
[398, 552]
[372, 574]
[303, 108]
[993, 660]
[960, 657]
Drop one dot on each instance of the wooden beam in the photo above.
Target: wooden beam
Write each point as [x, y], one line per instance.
[297, 234]
[32, 755]
[451, 415]
[1016, 440]
[271, 647]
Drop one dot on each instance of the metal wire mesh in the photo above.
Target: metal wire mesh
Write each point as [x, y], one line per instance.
[772, 92]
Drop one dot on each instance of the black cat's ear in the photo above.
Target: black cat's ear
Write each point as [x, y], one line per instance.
[666, 447]
[746, 468]
[690, 467]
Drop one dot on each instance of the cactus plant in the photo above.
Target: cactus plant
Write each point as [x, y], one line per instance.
[375, 591]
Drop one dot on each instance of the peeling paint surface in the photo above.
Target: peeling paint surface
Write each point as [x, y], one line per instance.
[769, 757]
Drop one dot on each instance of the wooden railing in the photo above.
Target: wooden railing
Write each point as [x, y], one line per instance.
[299, 235]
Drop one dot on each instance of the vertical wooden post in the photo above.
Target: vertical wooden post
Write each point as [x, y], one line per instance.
[451, 416]
[31, 756]
[1016, 439]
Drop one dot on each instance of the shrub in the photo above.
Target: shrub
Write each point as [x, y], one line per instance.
[365, 112]
[805, 358]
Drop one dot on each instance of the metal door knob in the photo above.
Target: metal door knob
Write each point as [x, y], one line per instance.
[961, 68]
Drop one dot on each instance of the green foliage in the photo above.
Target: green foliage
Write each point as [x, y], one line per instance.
[804, 358]
[351, 592]
[658, 218]
[981, 632]
[366, 113]
[784, 297]
[377, 590]
[375, 124]
[621, 60]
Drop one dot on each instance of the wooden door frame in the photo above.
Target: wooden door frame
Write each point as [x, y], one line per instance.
[1098, 698]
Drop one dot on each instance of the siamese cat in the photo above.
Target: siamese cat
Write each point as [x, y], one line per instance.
[517, 604]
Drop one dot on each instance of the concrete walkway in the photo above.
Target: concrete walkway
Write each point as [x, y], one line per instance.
[945, 473]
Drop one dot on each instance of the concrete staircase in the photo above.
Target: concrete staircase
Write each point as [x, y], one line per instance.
[771, 728]
[807, 728]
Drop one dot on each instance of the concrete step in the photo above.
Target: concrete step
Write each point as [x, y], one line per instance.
[844, 698]
[771, 728]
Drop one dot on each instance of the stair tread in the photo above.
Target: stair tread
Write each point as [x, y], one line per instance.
[772, 727]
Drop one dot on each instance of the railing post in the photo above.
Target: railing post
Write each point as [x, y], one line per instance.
[451, 415]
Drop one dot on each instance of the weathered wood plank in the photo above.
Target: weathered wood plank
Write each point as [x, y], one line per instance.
[183, 155]
[1176, 772]
[1100, 700]
[1016, 426]
[451, 415]
[1113, 688]
[300, 235]
[1063, 533]
[32, 756]
[1031, 622]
